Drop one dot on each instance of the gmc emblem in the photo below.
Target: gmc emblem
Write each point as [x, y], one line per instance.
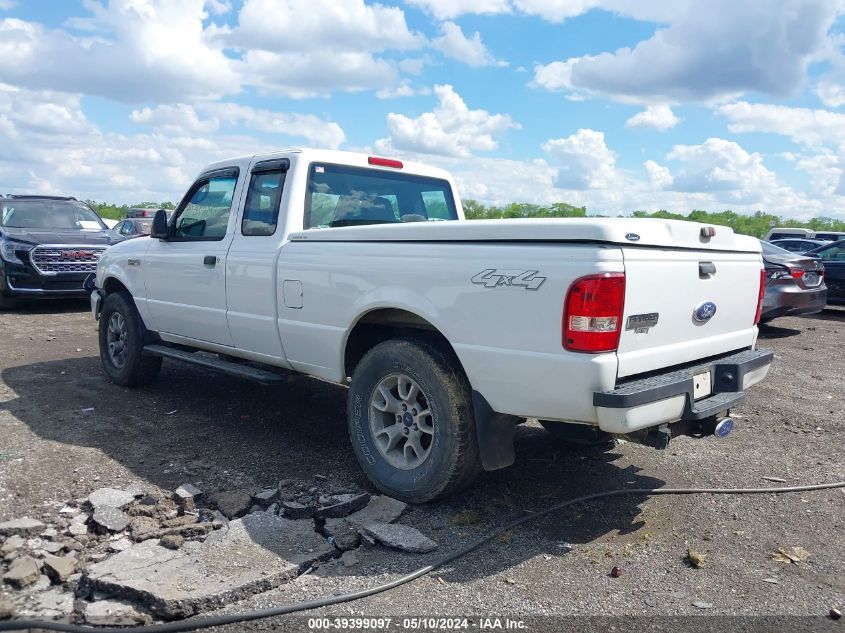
[77, 255]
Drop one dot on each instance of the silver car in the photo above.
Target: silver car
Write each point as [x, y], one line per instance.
[794, 283]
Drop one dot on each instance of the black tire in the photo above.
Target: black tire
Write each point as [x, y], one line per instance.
[579, 435]
[453, 461]
[137, 368]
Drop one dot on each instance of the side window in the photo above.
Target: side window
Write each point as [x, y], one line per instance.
[836, 254]
[206, 215]
[261, 211]
[436, 207]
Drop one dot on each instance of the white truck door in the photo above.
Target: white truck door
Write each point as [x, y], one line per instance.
[251, 263]
[186, 273]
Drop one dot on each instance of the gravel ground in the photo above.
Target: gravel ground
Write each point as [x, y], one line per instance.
[65, 431]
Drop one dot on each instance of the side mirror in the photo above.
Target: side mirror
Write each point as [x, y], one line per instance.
[159, 228]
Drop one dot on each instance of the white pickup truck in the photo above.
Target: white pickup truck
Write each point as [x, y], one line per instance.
[361, 270]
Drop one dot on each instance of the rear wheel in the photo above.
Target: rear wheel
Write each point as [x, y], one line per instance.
[580, 435]
[411, 421]
[122, 338]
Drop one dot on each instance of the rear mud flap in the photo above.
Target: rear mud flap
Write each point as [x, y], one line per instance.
[495, 433]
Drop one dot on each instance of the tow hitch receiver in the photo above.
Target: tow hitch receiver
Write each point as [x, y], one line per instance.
[659, 437]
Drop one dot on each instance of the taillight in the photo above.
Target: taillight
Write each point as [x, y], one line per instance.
[760, 296]
[797, 273]
[592, 314]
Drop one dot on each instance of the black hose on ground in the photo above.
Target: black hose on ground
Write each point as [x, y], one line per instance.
[246, 616]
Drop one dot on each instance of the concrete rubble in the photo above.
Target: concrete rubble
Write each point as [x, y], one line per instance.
[21, 527]
[22, 572]
[111, 519]
[401, 537]
[59, 568]
[188, 496]
[113, 613]
[125, 557]
[232, 504]
[341, 506]
[110, 497]
[230, 565]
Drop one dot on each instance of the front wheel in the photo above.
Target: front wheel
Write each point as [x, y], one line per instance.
[411, 421]
[122, 335]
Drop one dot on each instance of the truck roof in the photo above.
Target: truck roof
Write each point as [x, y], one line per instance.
[357, 159]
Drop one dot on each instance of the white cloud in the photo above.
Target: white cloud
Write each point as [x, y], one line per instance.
[306, 75]
[825, 171]
[448, 9]
[322, 26]
[47, 145]
[218, 7]
[144, 49]
[313, 129]
[831, 94]
[705, 53]
[556, 10]
[139, 51]
[414, 65]
[182, 119]
[725, 169]
[659, 177]
[451, 129]
[402, 89]
[821, 131]
[658, 117]
[584, 160]
[174, 119]
[804, 126]
[308, 49]
[468, 50]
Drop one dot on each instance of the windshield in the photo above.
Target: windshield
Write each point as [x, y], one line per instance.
[48, 214]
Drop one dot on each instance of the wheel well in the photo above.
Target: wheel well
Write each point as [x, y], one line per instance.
[113, 285]
[384, 324]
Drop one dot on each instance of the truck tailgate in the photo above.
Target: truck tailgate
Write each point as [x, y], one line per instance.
[669, 285]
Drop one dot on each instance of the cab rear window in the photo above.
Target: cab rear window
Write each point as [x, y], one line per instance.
[339, 195]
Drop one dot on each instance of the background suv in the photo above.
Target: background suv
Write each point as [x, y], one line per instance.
[48, 246]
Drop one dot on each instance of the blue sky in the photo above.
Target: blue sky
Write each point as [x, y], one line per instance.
[614, 104]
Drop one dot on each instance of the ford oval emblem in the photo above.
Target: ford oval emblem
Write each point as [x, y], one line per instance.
[704, 311]
[632, 237]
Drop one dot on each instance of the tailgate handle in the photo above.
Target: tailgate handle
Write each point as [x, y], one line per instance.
[706, 269]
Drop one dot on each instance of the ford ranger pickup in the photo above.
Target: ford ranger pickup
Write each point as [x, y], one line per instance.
[361, 270]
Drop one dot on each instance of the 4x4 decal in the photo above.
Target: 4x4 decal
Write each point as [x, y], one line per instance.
[493, 278]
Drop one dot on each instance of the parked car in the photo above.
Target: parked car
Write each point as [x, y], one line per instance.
[134, 227]
[48, 246]
[830, 236]
[360, 270]
[787, 232]
[833, 256]
[141, 212]
[794, 283]
[799, 245]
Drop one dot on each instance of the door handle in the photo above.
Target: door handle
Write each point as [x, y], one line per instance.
[705, 269]
[209, 260]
